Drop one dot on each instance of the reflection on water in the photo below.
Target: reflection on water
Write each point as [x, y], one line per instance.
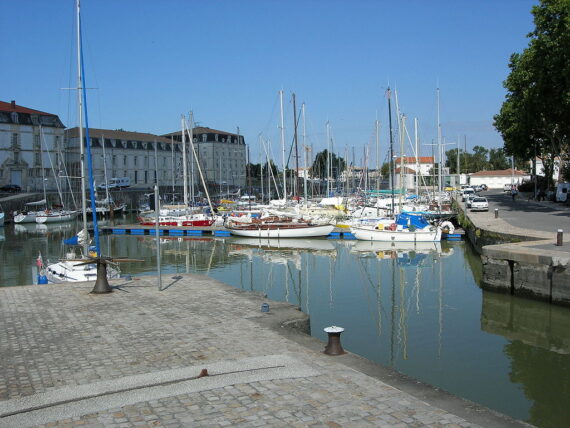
[416, 308]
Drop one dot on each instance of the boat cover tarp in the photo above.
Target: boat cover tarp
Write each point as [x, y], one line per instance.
[78, 239]
[412, 219]
[37, 203]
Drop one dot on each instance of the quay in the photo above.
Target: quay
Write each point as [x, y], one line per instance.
[196, 353]
[518, 247]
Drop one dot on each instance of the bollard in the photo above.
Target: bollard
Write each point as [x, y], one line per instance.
[559, 237]
[496, 213]
[264, 307]
[333, 346]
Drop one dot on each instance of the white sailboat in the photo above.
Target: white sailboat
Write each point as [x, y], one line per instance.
[73, 267]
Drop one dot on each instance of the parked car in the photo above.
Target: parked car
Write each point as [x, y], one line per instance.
[466, 192]
[507, 188]
[484, 187]
[470, 198]
[479, 204]
[10, 188]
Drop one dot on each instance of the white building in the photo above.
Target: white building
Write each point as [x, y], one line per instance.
[30, 143]
[413, 170]
[497, 179]
[540, 168]
[222, 155]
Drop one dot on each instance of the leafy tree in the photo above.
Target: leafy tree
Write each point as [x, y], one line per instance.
[534, 118]
[385, 170]
[479, 160]
[319, 167]
[498, 160]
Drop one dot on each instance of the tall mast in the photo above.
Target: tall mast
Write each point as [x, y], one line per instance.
[282, 127]
[391, 148]
[191, 137]
[377, 127]
[439, 169]
[296, 148]
[328, 160]
[402, 136]
[184, 161]
[305, 152]
[80, 113]
[416, 139]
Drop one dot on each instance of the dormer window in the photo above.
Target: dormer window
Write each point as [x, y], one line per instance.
[14, 117]
[35, 120]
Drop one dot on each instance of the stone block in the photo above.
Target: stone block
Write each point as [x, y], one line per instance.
[496, 274]
[532, 280]
[561, 286]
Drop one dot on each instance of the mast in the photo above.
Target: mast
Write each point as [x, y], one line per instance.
[328, 160]
[282, 126]
[80, 113]
[377, 127]
[391, 148]
[81, 79]
[296, 149]
[191, 135]
[439, 169]
[184, 162]
[305, 152]
[416, 140]
[402, 183]
[105, 173]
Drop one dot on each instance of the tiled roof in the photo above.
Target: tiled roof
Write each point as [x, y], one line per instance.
[13, 107]
[117, 135]
[412, 159]
[203, 130]
[406, 171]
[499, 173]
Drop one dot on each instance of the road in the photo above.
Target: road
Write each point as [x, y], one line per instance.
[532, 215]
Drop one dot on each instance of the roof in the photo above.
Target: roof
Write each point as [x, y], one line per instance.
[406, 170]
[499, 173]
[13, 107]
[412, 159]
[117, 135]
[202, 130]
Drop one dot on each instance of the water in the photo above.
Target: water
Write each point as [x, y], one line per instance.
[419, 310]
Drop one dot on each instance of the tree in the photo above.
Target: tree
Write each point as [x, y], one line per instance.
[479, 160]
[385, 170]
[534, 118]
[498, 160]
[319, 167]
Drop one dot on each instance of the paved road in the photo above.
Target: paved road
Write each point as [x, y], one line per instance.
[543, 216]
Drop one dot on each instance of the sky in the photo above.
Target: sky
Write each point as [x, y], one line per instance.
[149, 62]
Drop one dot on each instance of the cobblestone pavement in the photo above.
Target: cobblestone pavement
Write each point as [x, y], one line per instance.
[55, 337]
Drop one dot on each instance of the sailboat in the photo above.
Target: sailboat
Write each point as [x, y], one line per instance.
[73, 267]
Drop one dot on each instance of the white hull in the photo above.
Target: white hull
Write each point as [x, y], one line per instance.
[290, 232]
[56, 217]
[67, 271]
[289, 244]
[376, 246]
[27, 218]
[370, 234]
[1, 219]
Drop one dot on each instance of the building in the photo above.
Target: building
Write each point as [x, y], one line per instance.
[498, 178]
[413, 169]
[540, 168]
[222, 155]
[135, 155]
[30, 147]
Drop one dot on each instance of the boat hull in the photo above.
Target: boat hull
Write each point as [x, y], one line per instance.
[370, 234]
[56, 218]
[264, 231]
[68, 271]
[26, 218]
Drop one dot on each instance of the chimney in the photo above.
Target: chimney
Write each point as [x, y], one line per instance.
[13, 105]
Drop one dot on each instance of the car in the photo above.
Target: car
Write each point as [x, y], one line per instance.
[10, 188]
[484, 187]
[479, 203]
[470, 198]
[466, 192]
[507, 187]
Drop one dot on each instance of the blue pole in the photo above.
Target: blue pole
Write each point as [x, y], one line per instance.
[88, 151]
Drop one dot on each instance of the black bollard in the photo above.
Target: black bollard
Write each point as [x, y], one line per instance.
[333, 346]
[101, 284]
[559, 238]
[496, 213]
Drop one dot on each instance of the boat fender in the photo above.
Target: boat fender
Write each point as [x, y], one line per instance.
[380, 226]
[447, 225]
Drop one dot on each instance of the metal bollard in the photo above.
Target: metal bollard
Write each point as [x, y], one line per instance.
[559, 238]
[333, 346]
[496, 213]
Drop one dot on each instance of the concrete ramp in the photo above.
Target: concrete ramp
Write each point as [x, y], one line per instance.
[76, 401]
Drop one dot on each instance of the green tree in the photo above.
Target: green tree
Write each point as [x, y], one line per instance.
[385, 170]
[479, 160]
[319, 167]
[498, 159]
[535, 118]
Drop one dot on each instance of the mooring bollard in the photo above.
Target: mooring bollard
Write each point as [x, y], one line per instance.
[264, 307]
[559, 237]
[496, 213]
[333, 346]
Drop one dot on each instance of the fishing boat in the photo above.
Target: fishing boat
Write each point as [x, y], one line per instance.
[408, 227]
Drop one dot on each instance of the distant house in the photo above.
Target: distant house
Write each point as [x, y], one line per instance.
[498, 178]
[540, 168]
[420, 167]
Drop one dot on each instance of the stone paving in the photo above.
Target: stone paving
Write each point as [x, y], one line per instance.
[55, 337]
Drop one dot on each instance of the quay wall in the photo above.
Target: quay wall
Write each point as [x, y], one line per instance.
[516, 262]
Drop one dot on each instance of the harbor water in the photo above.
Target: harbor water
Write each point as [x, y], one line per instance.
[416, 308]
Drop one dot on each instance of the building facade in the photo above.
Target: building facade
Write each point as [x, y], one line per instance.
[31, 147]
[222, 155]
[498, 178]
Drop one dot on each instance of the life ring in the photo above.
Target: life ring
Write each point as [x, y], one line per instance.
[449, 226]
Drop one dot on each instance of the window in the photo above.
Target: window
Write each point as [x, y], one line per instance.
[135, 159]
[114, 160]
[125, 160]
[14, 117]
[14, 139]
[37, 159]
[36, 140]
[16, 157]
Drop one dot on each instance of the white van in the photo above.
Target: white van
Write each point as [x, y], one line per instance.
[116, 183]
[466, 192]
[562, 192]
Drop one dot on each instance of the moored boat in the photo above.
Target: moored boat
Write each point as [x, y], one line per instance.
[280, 230]
[408, 227]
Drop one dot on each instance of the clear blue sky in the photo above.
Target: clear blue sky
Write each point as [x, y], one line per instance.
[226, 60]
